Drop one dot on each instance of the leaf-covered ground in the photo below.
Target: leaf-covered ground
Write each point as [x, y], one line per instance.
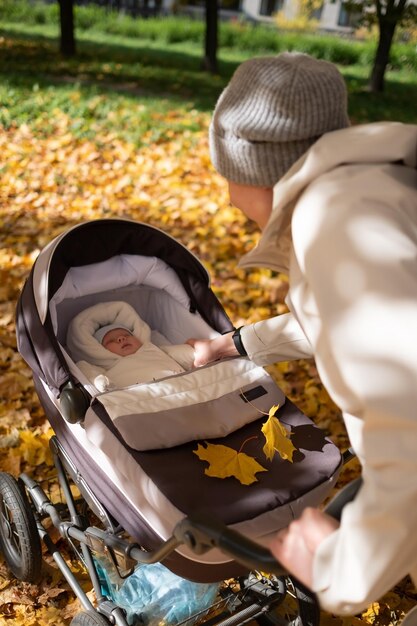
[56, 173]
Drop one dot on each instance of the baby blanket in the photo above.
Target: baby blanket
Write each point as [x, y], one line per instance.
[82, 344]
[107, 370]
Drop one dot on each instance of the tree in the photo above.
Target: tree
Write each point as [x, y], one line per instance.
[66, 17]
[211, 36]
[387, 14]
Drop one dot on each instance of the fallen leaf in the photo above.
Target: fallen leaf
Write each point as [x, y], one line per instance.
[226, 462]
[371, 613]
[34, 447]
[277, 438]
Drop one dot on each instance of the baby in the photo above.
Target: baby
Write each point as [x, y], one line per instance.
[118, 339]
[120, 354]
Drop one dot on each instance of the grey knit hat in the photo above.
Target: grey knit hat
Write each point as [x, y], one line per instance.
[271, 112]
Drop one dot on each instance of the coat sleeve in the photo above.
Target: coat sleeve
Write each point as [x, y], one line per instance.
[356, 253]
[277, 339]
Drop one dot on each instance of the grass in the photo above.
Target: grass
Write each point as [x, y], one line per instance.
[130, 88]
[238, 34]
[110, 87]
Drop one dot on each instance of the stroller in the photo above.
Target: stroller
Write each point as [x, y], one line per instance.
[142, 495]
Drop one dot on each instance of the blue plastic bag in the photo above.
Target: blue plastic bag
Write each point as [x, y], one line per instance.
[153, 595]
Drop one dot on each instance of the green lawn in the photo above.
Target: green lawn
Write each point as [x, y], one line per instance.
[129, 87]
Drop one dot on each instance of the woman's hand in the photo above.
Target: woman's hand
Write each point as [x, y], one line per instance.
[203, 351]
[209, 350]
[294, 547]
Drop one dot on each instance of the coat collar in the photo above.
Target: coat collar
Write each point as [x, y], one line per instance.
[381, 142]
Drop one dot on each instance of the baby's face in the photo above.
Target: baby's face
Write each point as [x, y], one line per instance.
[120, 341]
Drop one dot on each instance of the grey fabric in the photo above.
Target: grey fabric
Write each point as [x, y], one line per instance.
[200, 420]
[272, 111]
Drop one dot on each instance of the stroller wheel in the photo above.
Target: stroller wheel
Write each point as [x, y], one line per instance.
[89, 618]
[300, 608]
[19, 538]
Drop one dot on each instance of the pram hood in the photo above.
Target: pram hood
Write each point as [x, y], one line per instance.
[86, 244]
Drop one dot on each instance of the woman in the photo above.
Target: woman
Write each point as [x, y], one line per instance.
[338, 209]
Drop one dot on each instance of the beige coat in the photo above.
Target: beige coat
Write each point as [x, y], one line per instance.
[344, 225]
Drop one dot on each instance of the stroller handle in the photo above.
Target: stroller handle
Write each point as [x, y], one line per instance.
[201, 535]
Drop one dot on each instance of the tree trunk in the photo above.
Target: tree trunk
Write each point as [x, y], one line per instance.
[135, 8]
[145, 11]
[66, 16]
[210, 52]
[386, 34]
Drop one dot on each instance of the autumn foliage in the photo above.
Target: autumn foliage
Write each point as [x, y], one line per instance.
[55, 179]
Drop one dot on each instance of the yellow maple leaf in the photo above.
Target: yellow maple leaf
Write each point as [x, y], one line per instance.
[371, 613]
[34, 447]
[277, 438]
[225, 462]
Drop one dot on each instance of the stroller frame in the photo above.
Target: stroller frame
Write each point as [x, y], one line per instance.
[257, 598]
[200, 535]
